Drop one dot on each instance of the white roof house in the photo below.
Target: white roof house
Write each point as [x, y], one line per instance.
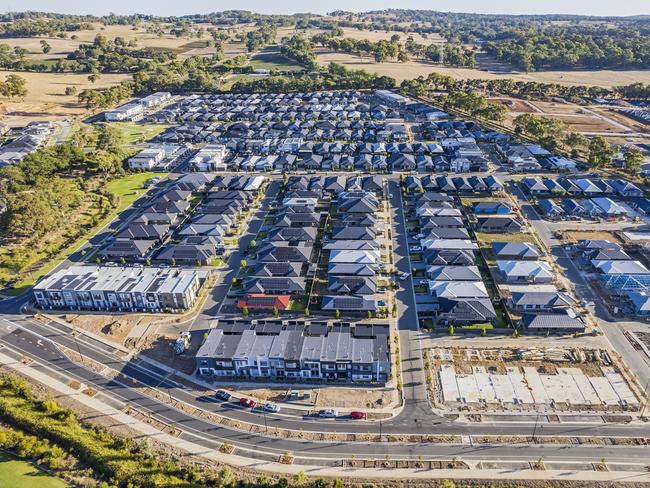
[609, 206]
[458, 289]
[531, 271]
[459, 244]
[210, 158]
[355, 257]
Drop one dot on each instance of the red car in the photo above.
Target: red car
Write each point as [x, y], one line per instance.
[358, 415]
[246, 402]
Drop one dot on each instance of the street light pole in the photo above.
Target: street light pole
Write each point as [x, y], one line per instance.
[379, 430]
[535, 428]
[266, 427]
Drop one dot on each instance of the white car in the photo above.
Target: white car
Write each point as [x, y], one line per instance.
[403, 276]
[272, 407]
[416, 248]
[328, 413]
[419, 236]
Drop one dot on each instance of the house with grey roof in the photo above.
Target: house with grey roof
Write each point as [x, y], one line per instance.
[516, 250]
[453, 273]
[299, 350]
[464, 311]
[563, 321]
[276, 285]
[351, 285]
[526, 301]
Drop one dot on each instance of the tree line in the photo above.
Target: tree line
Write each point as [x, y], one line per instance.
[537, 50]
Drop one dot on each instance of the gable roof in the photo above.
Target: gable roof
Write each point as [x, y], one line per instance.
[525, 250]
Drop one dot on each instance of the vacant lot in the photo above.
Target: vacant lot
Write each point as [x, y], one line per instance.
[46, 99]
[514, 105]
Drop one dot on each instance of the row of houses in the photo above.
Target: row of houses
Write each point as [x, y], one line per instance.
[186, 223]
[455, 289]
[30, 138]
[588, 208]
[298, 350]
[134, 110]
[455, 184]
[520, 158]
[116, 288]
[276, 107]
[158, 157]
[585, 187]
[354, 247]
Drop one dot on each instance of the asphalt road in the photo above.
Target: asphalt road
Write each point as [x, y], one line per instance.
[213, 303]
[610, 327]
[39, 341]
[33, 340]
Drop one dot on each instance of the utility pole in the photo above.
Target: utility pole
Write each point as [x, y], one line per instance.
[266, 427]
[379, 430]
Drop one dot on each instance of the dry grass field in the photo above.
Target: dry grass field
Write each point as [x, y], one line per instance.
[373, 36]
[413, 69]
[46, 99]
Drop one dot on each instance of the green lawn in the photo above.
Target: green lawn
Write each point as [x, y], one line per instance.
[129, 188]
[270, 58]
[133, 132]
[15, 473]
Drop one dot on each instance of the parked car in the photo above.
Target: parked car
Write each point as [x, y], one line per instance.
[247, 402]
[222, 395]
[415, 248]
[403, 276]
[358, 415]
[272, 407]
[327, 413]
[418, 236]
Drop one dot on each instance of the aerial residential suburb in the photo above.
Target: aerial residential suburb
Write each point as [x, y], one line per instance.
[363, 246]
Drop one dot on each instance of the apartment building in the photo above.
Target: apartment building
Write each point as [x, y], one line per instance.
[113, 288]
[295, 349]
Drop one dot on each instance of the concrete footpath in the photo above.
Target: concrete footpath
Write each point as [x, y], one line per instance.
[475, 472]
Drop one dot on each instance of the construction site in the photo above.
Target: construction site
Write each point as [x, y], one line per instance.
[530, 379]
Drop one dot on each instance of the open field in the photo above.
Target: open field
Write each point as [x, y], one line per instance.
[413, 69]
[15, 472]
[270, 58]
[373, 36]
[46, 99]
[135, 133]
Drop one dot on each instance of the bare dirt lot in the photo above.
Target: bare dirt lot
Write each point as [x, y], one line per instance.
[587, 123]
[578, 235]
[46, 99]
[514, 105]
